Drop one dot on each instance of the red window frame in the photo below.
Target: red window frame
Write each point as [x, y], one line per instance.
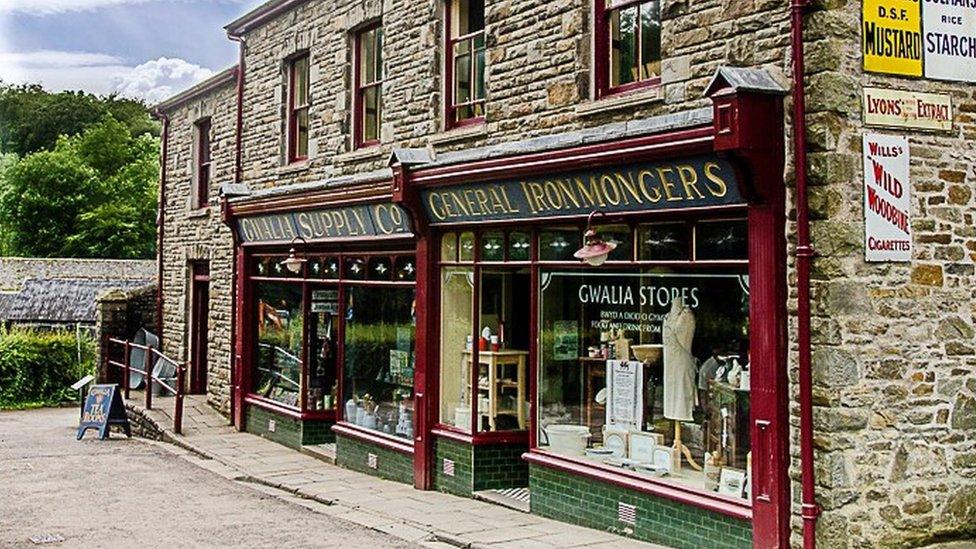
[201, 184]
[295, 109]
[450, 46]
[602, 66]
[360, 87]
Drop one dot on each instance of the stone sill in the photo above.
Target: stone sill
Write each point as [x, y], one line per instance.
[459, 134]
[621, 101]
[294, 167]
[365, 153]
[198, 213]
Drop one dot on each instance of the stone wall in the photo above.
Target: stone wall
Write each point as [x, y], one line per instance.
[192, 235]
[119, 315]
[894, 355]
[15, 270]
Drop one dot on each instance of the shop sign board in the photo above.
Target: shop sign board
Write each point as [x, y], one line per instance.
[891, 36]
[950, 39]
[887, 198]
[360, 221]
[688, 183]
[907, 109]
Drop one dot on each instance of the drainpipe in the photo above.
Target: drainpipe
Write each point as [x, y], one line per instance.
[235, 355]
[804, 252]
[160, 224]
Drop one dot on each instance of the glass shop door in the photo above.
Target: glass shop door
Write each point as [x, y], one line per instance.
[323, 348]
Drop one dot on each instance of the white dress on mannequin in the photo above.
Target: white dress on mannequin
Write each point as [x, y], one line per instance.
[680, 396]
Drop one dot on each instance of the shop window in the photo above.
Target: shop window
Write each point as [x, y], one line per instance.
[559, 244]
[380, 330]
[621, 235]
[273, 267]
[201, 187]
[466, 247]
[493, 246]
[465, 62]
[449, 247]
[664, 242]
[647, 371]
[369, 86]
[722, 240]
[457, 342]
[628, 44]
[298, 104]
[280, 331]
[406, 268]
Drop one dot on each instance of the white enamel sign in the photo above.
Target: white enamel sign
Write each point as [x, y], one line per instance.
[949, 36]
[907, 109]
[887, 198]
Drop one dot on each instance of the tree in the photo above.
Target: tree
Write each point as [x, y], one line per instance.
[32, 119]
[93, 195]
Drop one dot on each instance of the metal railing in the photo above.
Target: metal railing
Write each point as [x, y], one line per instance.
[149, 359]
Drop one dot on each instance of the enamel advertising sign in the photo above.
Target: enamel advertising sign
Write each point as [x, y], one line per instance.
[950, 39]
[891, 37]
[887, 198]
[907, 109]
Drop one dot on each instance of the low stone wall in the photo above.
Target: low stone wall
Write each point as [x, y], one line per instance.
[120, 314]
[15, 270]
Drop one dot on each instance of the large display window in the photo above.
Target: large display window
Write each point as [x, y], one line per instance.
[335, 338]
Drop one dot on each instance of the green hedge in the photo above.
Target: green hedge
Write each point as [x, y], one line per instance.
[38, 367]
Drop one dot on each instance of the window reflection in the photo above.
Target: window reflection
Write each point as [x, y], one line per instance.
[278, 361]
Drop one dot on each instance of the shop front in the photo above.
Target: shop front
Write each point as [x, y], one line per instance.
[327, 326]
[604, 324]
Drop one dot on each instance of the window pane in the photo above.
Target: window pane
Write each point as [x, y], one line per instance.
[650, 13]
[323, 330]
[479, 73]
[462, 75]
[326, 268]
[378, 68]
[379, 359]
[663, 242]
[623, 46]
[646, 331]
[466, 252]
[368, 58]
[355, 268]
[503, 360]
[559, 244]
[371, 113]
[722, 240]
[300, 79]
[380, 268]
[467, 16]
[301, 125]
[278, 358]
[621, 235]
[519, 246]
[457, 339]
[493, 246]
[449, 247]
[406, 268]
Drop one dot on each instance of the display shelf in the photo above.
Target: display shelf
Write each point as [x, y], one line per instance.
[500, 373]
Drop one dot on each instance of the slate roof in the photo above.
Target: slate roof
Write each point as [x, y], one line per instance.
[57, 301]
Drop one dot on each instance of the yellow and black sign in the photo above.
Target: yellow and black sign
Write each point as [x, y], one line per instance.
[687, 183]
[891, 37]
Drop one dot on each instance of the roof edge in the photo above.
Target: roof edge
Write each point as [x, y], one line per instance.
[260, 15]
[216, 81]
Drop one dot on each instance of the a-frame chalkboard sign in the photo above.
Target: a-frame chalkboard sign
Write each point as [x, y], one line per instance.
[103, 408]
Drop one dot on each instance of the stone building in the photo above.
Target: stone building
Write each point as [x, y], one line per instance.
[377, 253]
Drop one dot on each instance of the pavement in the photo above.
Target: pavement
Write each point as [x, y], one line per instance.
[429, 519]
[59, 492]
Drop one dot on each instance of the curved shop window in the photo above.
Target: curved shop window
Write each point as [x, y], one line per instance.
[643, 365]
[336, 339]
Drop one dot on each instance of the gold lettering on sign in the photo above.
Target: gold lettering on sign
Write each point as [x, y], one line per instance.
[689, 180]
[611, 193]
[627, 183]
[718, 187]
[654, 197]
[667, 184]
[389, 218]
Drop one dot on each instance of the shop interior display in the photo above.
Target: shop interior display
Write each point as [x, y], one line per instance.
[502, 390]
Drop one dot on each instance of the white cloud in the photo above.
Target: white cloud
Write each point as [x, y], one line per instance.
[48, 7]
[101, 74]
[158, 79]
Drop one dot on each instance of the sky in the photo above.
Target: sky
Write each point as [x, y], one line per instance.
[146, 49]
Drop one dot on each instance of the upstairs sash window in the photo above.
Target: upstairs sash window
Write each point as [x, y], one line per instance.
[298, 101]
[628, 45]
[369, 86]
[466, 62]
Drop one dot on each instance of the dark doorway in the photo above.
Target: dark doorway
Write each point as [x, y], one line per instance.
[199, 327]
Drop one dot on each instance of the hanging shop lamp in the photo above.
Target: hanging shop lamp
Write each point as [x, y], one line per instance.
[595, 250]
[295, 261]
